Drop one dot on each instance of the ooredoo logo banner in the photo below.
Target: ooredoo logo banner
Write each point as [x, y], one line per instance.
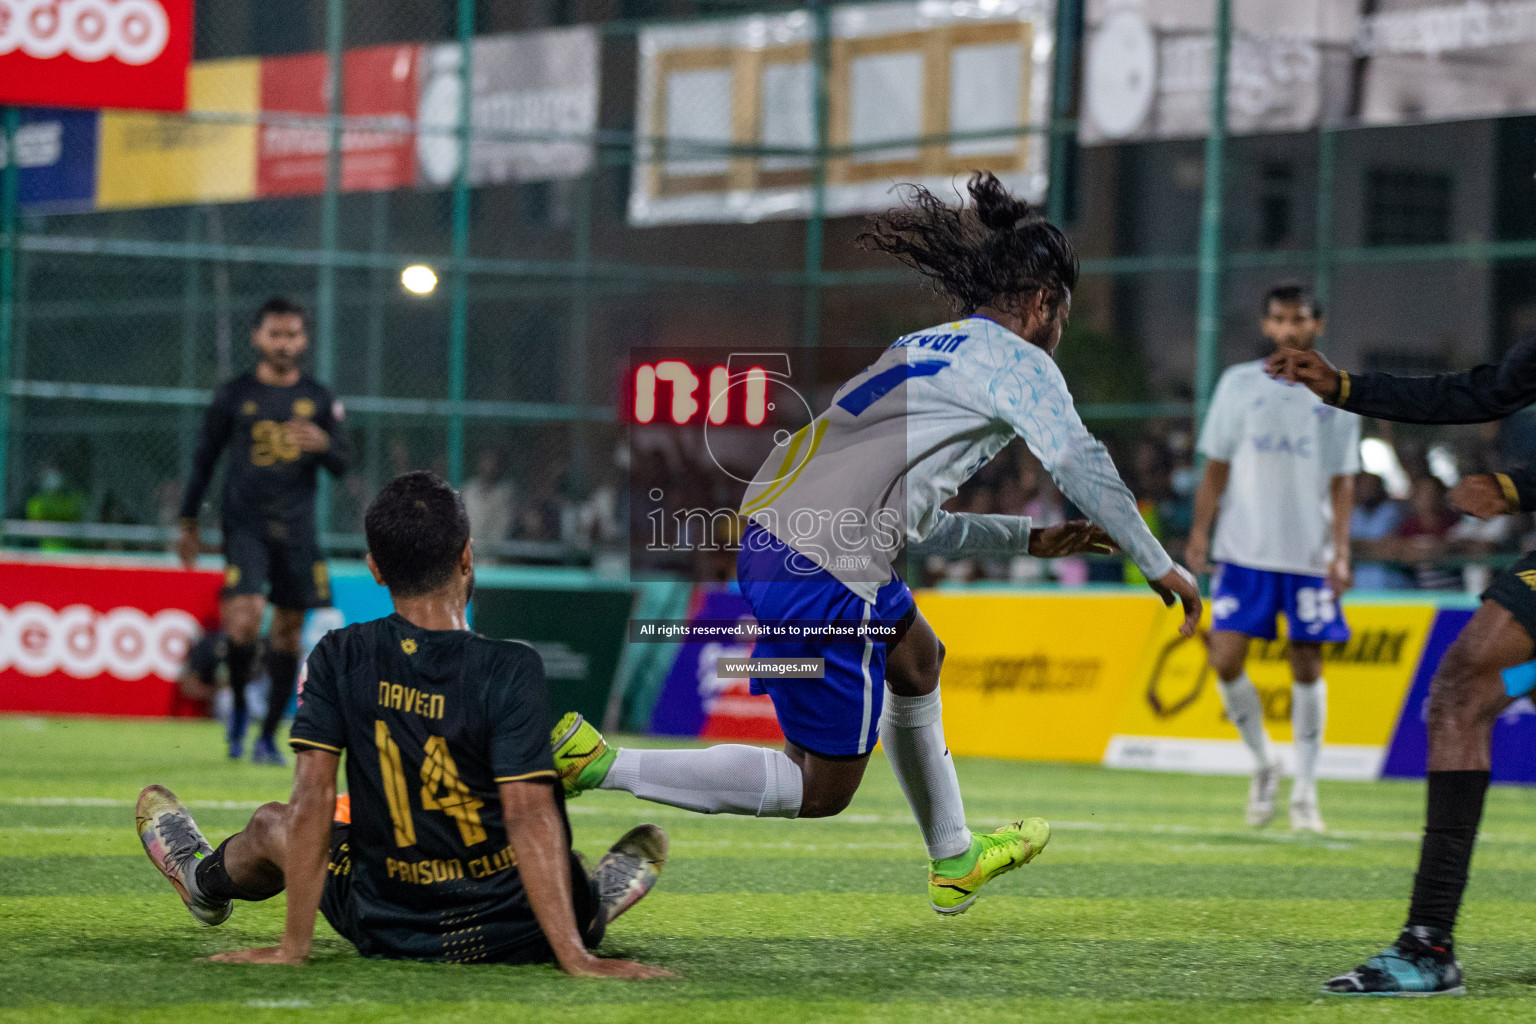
[94, 640]
[96, 53]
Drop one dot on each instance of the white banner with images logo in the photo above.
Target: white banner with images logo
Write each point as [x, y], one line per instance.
[1147, 67]
[533, 108]
[1431, 60]
[725, 119]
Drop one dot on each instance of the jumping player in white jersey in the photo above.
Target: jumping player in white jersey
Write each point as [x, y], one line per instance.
[828, 514]
[1281, 463]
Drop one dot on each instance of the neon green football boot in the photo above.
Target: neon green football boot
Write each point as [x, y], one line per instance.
[955, 882]
[582, 756]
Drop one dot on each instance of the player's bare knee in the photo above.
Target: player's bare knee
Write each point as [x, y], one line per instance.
[1456, 701]
[824, 804]
[287, 627]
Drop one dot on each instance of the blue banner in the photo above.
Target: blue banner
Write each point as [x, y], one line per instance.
[695, 701]
[56, 159]
[1514, 735]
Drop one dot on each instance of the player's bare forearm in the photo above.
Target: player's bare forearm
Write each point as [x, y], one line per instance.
[537, 837]
[1213, 484]
[309, 846]
[1341, 493]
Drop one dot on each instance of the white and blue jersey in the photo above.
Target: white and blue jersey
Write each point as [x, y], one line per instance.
[1274, 532]
[868, 476]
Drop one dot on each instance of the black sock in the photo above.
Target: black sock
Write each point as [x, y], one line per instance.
[214, 883]
[1450, 829]
[240, 659]
[282, 670]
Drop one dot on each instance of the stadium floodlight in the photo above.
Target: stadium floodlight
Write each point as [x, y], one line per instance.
[418, 279]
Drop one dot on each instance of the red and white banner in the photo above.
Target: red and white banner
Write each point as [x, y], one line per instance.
[379, 83]
[88, 640]
[95, 53]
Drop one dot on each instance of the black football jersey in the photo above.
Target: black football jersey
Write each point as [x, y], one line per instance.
[266, 479]
[431, 723]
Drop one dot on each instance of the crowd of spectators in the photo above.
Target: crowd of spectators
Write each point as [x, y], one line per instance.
[1404, 533]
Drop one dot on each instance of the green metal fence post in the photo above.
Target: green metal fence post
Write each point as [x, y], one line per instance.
[458, 315]
[1063, 58]
[330, 212]
[815, 225]
[1212, 256]
[580, 327]
[8, 198]
[191, 308]
[1322, 250]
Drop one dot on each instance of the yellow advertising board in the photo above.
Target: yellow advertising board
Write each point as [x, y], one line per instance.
[170, 159]
[1172, 718]
[1038, 677]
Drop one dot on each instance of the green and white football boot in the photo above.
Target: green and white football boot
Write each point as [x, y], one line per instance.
[955, 882]
[582, 756]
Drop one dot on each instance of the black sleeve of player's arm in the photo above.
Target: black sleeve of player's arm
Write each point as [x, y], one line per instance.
[337, 459]
[318, 724]
[211, 439]
[519, 709]
[1479, 395]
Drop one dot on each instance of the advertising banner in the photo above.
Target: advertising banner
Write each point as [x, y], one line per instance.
[166, 160]
[534, 108]
[900, 73]
[95, 53]
[1147, 67]
[696, 701]
[89, 640]
[1514, 734]
[579, 634]
[1172, 717]
[56, 159]
[1033, 678]
[1432, 60]
[379, 87]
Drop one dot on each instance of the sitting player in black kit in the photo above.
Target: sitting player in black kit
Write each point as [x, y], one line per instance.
[458, 848]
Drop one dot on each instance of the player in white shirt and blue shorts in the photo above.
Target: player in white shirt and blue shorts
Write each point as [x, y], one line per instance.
[830, 512]
[1281, 463]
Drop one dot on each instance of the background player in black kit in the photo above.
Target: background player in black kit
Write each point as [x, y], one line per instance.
[280, 426]
[458, 847]
[1467, 694]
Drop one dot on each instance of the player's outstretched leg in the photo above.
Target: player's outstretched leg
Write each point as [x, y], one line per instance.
[630, 869]
[1465, 699]
[730, 778]
[175, 846]
[912, 732]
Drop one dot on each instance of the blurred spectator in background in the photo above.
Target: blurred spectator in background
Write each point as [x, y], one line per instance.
[205, 677]
[168, 509]
[490, 501]
[56, 502]
[1424, 534]
[1375, 520]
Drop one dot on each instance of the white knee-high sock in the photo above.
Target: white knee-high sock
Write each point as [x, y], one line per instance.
[912, 732]
[1247, 713]
[1309, 714]
[731, 778]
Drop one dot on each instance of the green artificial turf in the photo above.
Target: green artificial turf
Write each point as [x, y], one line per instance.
[1152, 903]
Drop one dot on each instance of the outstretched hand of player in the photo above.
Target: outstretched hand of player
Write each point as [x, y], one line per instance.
[1309, 368]
[1480, 495]
[1178, 585]
[306, 436]
[279, 955]
[599, 967]
[1071, 538]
